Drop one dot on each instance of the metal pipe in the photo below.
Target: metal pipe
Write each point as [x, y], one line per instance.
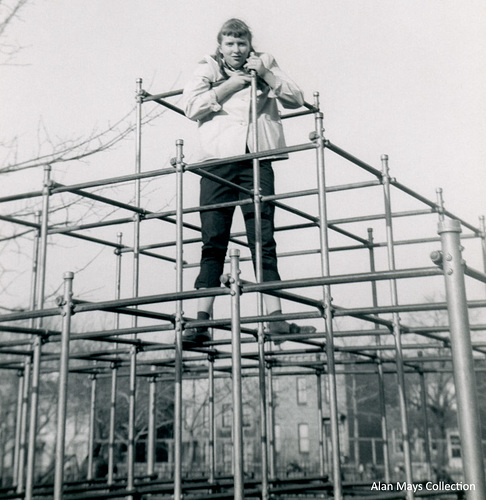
[482, 227]
[238, 452]
[381, 378]
[320, 423]
[114, 367]
[135, 291]
[259, 279]
[131, 418]
[354, 402]
[111, 431]
[397, 329]
[384, 420]
[151, 434]
[462, 360]
[212, 421]
[63, 386]
[37, 343]
[19, 477]
[328, 309]
[423, 399]
[272, 451]
[23, 426]
[18, 421]
[91, 431]
[178, 326]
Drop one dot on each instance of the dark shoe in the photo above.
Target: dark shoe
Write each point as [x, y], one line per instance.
[195, 336]
[284, 328]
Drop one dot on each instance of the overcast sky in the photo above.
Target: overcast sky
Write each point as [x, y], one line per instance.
[401, 77]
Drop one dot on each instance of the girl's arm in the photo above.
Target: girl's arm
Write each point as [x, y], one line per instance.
[286, 91]
[203, 97]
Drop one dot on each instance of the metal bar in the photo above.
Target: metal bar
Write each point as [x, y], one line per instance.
[482, 226]
[381, 378]
[396, 184]
[238, 452]
[354, 403]
[151, 432]
[397, 332]
[91, 428]
[272, 448]
[327, 303]
[114, 368]
[20, 478]
[463, 364]
[135, 293]
[112, 423]
[149, 97]
[169, 106]
[257, 200]
[18, 421]
[178, 326]
[63, 386]
[212, 421]
[320, 423]
[423, 399]
[39, 294]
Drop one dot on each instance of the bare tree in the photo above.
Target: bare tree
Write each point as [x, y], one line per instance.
[9, 12]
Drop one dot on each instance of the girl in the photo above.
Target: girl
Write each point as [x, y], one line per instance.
[218, 97]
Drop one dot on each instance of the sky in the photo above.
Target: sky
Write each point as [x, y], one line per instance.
[403, 78]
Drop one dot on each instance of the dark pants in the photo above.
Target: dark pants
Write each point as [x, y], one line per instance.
[216, 224]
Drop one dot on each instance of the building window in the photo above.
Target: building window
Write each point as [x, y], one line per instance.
[454, 446]
[189, 416]
[247, 415]
[301, 391]
[276, 437]
[304, 443]
[227, 415]
[227, 456]
[325, 388]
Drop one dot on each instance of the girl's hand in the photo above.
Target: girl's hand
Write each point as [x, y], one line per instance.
[238, 82]
[256, 64]
[233, 84]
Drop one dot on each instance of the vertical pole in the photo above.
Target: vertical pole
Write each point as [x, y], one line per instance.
[355, 422]
[20, 479]
[178, 325]
[462, 359]
[111, 431]
[396, 328]
[259, 279]
[320, 422]
[482, 227]
[212, 427]
[23, 426]
[37, 342]
[91, 431]
[271, 425]
[423, 398]
[135, 293]
[114, 370]
[63, 382]
[151, 435]
[18, 425]
[379, 366]
[384, 420]
[131, 418]
[327, 302]
[239, 486]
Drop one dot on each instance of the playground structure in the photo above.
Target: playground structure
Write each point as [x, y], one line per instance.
[248, 347]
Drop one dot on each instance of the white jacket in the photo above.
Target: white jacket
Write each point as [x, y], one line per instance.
[226, 129]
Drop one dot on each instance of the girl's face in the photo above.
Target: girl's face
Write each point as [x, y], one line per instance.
[235, 51]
